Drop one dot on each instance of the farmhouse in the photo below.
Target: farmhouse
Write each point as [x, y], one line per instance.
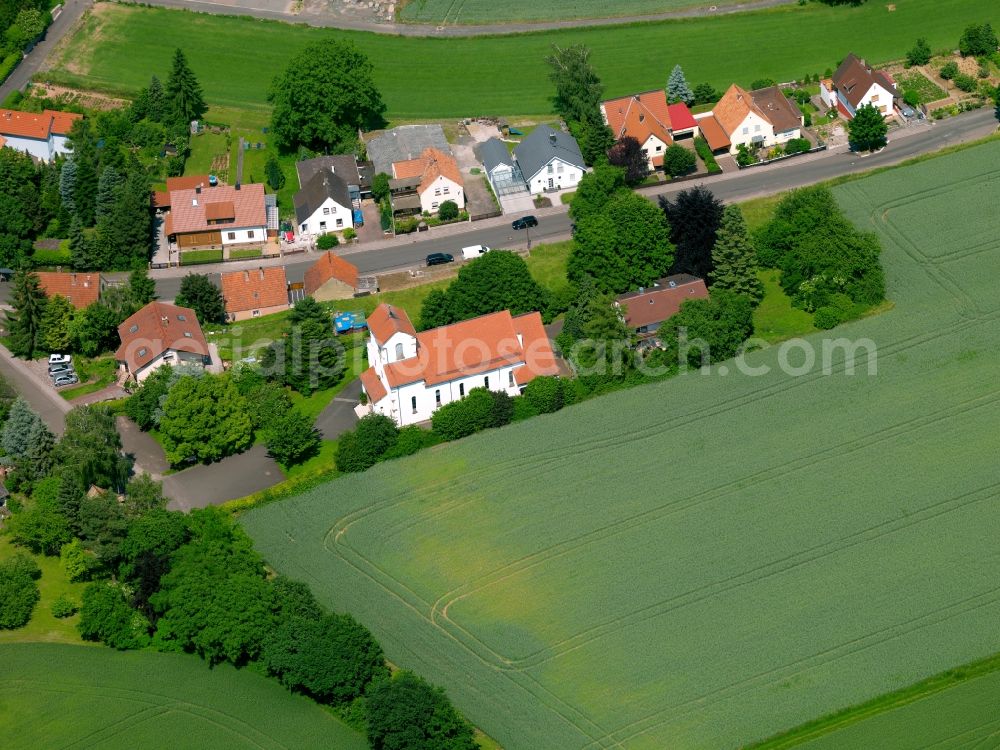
[43, 136]
[650, 120]
[645, 310]
[412, 374]
[219, 216]
[549, 160]
[250, 294]
[433, 178]
[855, 84]
[331, 277]
[323, 205]
[81, 289]
[760, 118]
[160, 334]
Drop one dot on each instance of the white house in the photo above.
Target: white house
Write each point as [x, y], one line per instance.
[217, 216]
[501, 168]
[160, 334]
[435, 177]
[323, 205]
[651, 121]
[762, 118]
[43, 136]
[413, 374]
[549, 160]
[855, 84]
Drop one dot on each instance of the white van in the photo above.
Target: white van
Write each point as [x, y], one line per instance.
[474, 251]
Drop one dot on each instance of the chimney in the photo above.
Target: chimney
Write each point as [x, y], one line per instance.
[246, 276]
[197, 189]
[194, 201]
[262, 273]
[642, 117]
[552, 138]
[237, 184]
[164, 320]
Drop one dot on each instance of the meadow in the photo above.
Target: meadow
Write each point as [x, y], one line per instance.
[70, 696]
[711, 560]
[117, 48]
[453, 12]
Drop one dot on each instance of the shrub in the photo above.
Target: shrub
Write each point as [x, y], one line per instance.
[826, 317]
[705, 152]
[807, 119]
[545, 393]
[350, 233]
[797, 146]
[678, 160]
[761, 83]
[8, 64]
[18, 591]
[448, 211]
[965, 82]
[363, 446]
[58, 257]
[105, 616]
[64, 606]
[745, 155]
[327, 241]
[983, 71]
[920, 54]
[949, 70]
[911, 97]
[411, 439]
[480, 409]
[523, 409]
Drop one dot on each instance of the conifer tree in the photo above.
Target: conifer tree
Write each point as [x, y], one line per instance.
[677, 87]
[184, 91]
[735, 257]
[24, 322]
[157, 106]
[107, 190]
[67, 186]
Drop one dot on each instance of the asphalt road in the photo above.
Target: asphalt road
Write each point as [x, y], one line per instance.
[750, 183]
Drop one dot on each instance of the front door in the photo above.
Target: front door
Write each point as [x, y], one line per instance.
[551, 183]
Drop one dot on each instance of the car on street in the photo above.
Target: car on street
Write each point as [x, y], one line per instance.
[62, 369]
[59, 359]
[65, 379]
[436, 259]
[525, 222]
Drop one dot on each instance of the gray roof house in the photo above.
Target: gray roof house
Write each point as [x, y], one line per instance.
[403, 143]
[346, 166]
[550, 160]
[324, 204]
[501, 167]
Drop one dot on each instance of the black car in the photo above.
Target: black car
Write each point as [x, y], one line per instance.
[436, 259]
[524, 222]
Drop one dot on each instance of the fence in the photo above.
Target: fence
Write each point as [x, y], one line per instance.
[762, 162]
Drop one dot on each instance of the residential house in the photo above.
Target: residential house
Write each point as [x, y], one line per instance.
[413, 374]
[161, 198]
[250, 294]
[331, 277]
[761, 118]
[433, 176]
[43, 136]
[651, 121]
[160, 334]
[323, 205]
[501, 168]
[855, 84]
[404, 143]
[645, 310]
[81, 289]
[220, 216]
[357, 175]
[549, 160]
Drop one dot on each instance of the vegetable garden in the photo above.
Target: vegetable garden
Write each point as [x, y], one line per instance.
[710, 560]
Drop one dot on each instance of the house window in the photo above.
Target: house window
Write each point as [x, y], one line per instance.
[746, 131]
[446, 190]
[326, 211]
[756, 128]
[510, 378]
[142, 352]
[340, 223]
[645, 152]
[486, 381]
[322, 226]
[434, 205]
[250, 235]
[559, 168]
[658, 149]
[461, 389]
[133, 328]
[187, 334]
[437, 191]
[255, 313]
[875, 98]
[182, 318]
[437, 397]
[550, 168]
[231, 235]
[399, 351]
[413, 404]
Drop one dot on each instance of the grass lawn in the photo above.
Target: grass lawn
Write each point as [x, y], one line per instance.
[119, 47]
[312, 405]
[205, 148]
[775, 319]
[196, 257]
[799, 529]
[322, 461]
[55, 695]
[43, 625]
[94, 375]
[547, 264]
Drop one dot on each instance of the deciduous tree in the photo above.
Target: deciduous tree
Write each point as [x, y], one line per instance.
[291, 438]
[363, 446]
[596, 189]
[694, 216]
[407, 713]
[18, 590]
[920, 53]
[678, 160]
[57, 324]
[202, 296]
[627, 154]
[106, 616]
[867, 131]
[578, 88]
[204, 419]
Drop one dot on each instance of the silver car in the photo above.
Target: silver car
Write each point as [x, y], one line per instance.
[69, 379]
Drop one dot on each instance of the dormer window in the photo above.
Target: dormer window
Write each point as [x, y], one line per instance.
[142, 352]
[134, 328]
[182, 318]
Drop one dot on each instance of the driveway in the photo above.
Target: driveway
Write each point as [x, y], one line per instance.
[230, 478]
[339, 416]
[518, 203]
[146, 454]
[36, 390]
[478, 197]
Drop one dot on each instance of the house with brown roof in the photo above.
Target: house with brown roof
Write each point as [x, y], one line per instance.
[217, 216]
[331, 277]
[414, 374]
[761, 118]
[250, 294]
[650, 120]
[81, 289]
[160, 334]
[645, 310]
[42, 135]
[855, 84]
[434, 177]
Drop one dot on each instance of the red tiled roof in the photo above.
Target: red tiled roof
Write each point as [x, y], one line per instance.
[658, 303]
[32, 125]
[255, 290]
[732, 108]
[681, 117]
[386, 320]
[430, 165]
[639, 116]
[155, 329]
[187, 183]
[476, 346]
[161, 199]
[62, 122]
[191, 210]
[330, 266]
[714, 133]
[81, 289]
[373, 385]
[220, 211]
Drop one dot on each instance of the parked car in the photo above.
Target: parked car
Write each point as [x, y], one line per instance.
[436, 259]
[59, 359]
[60, 369]
[525, 222]
[65, 379]
[474, 251]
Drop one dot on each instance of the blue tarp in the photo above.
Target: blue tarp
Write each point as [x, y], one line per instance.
[349, 321]
[359, 217]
